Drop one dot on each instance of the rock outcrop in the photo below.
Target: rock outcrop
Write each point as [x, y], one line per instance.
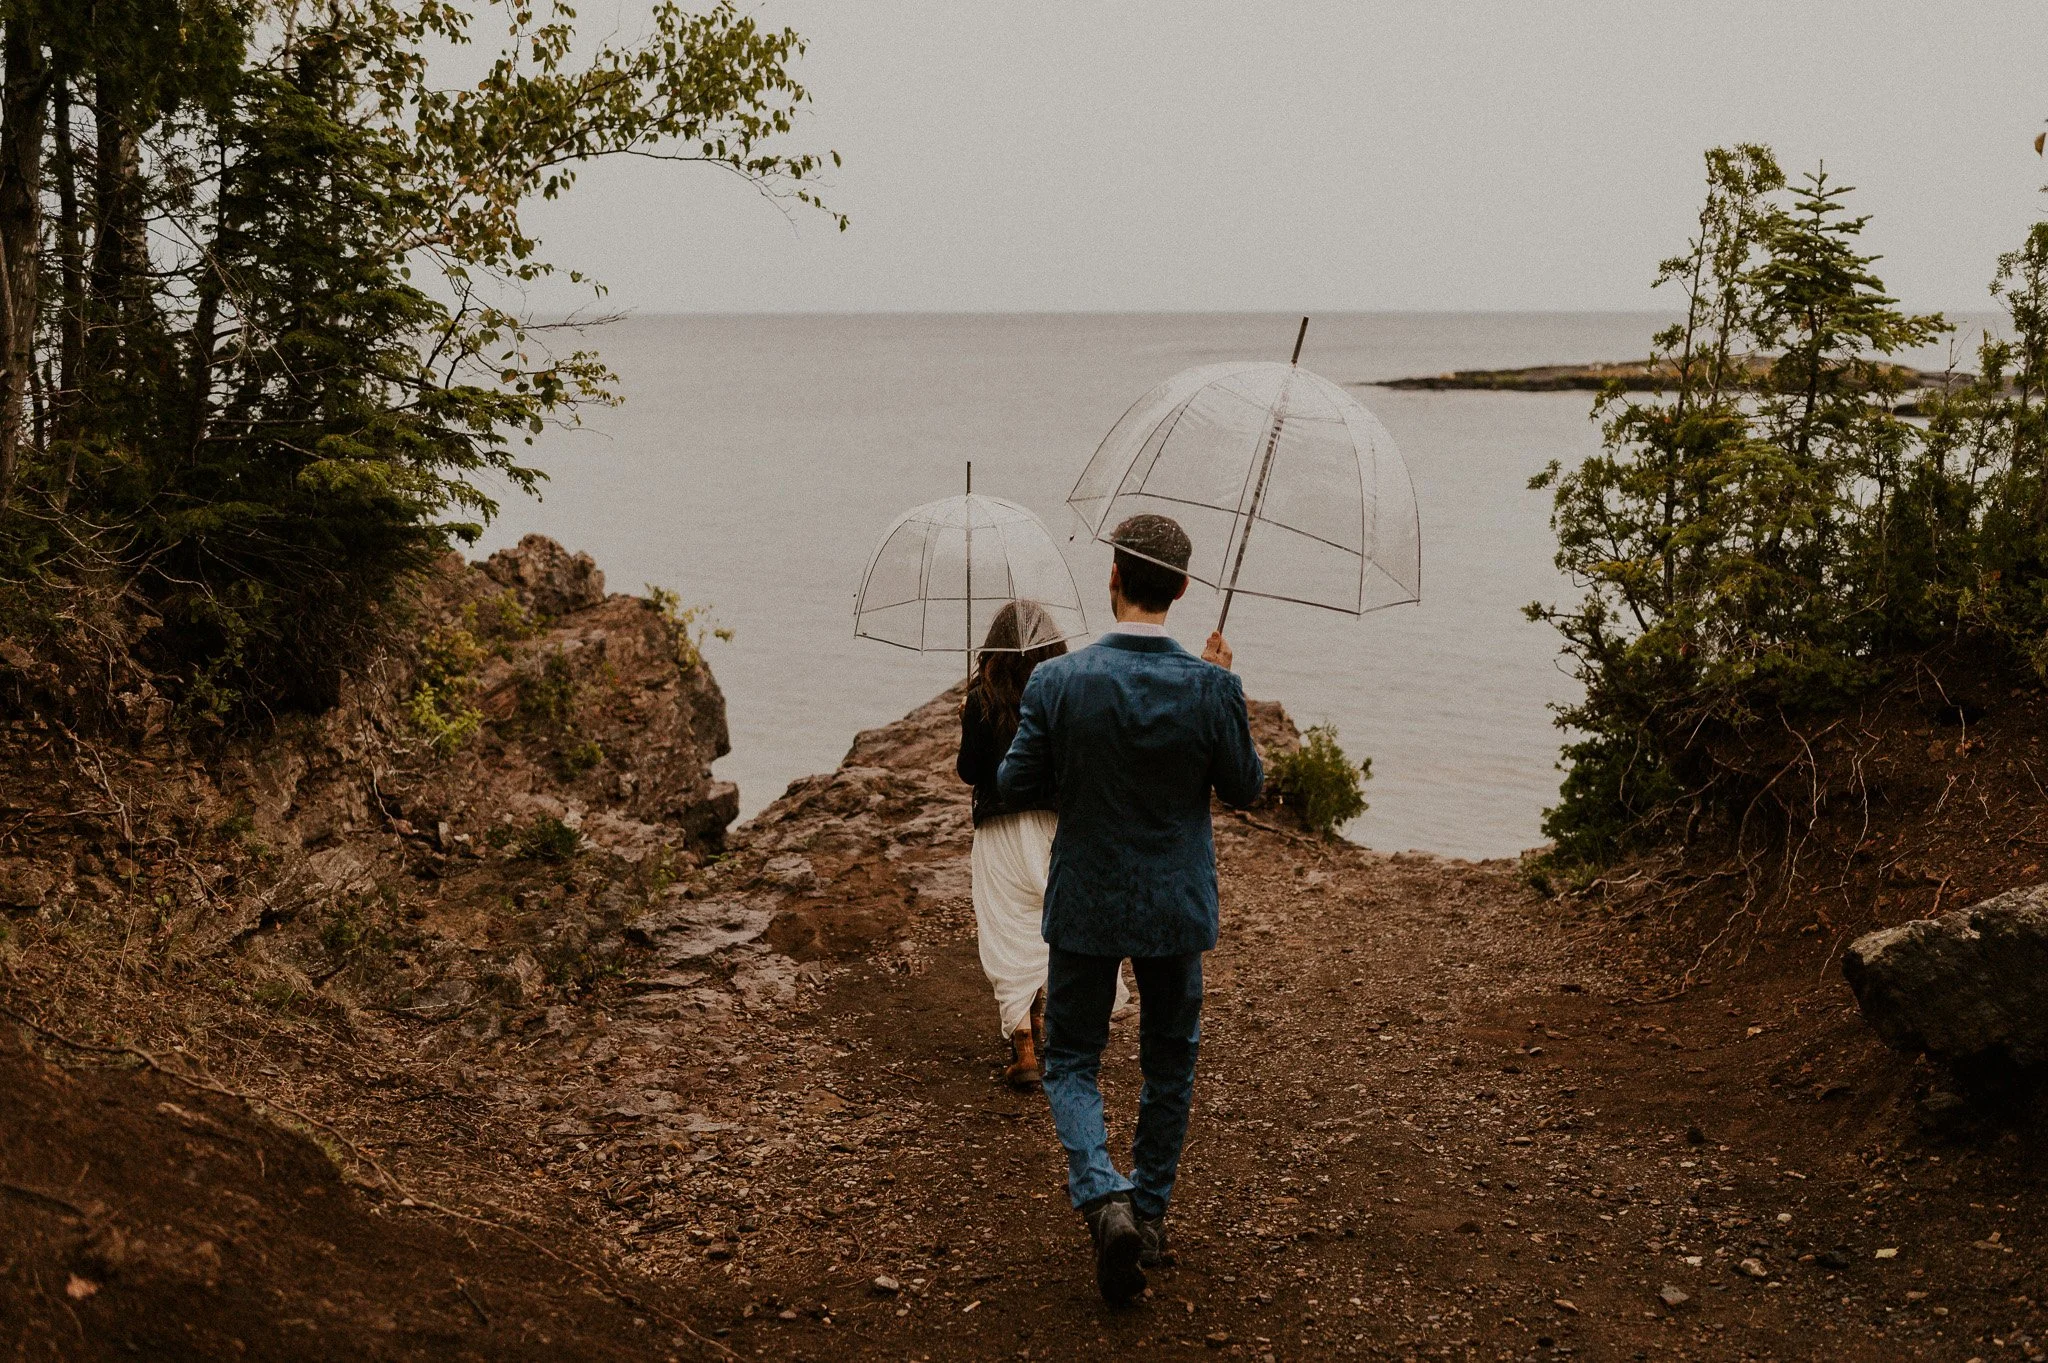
[525, 768]
[594, 708]
[1969, 988]
[554, 701]
[546, 577]
[836, 866]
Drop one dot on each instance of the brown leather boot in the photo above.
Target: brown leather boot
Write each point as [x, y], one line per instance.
[1038, 1020]
[1024, 1071]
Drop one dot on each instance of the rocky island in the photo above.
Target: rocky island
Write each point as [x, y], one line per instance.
[1628, 375]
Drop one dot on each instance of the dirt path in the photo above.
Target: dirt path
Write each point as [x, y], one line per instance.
[1420, 1132]
[1429, 1124]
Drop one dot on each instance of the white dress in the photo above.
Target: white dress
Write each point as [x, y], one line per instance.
[1012, 854]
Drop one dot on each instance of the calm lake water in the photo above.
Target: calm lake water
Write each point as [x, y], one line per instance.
[756, 461]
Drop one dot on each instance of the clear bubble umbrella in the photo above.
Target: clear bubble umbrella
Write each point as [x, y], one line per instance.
[1288, 487]
[945, 570]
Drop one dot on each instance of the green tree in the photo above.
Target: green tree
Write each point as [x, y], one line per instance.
[1735, 537]
[1980, 499]
[1636, 528]
[280, 344]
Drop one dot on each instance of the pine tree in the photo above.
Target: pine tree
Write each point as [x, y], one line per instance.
[1736, 538]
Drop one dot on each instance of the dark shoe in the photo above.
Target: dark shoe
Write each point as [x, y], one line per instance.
[1118, 1246]
[1152, 1232]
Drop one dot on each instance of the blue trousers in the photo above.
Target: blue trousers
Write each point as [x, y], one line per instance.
[1079, 992]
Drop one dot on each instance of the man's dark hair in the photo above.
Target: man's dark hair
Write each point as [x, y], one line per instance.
[1151, 560]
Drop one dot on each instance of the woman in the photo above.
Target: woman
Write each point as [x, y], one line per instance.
[1012, 847]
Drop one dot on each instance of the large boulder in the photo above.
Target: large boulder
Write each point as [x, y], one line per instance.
[548, 579]
[1969, 988]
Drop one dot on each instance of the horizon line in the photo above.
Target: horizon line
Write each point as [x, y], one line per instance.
[628, 314]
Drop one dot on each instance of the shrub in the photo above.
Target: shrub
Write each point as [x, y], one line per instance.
[503, 620]
[351, 928]
[548, 695]
[444, 717]
[440, 706]
[547, 838]
[684, 623]
[1324, 788]
[573, 761]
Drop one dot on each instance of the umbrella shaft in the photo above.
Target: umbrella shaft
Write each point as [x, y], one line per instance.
[970, 572]
[1265, 469]
[1258, 496]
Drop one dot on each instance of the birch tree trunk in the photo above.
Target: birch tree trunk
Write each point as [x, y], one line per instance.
[71, 273]
[24, 107]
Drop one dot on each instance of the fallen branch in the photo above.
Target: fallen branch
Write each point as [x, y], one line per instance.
[1287, 833]
[38, 1195]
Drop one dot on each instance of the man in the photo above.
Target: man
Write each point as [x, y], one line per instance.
[1128, 737]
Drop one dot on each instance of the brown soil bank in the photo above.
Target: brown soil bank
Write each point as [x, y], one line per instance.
[147, 1218]
[755, 1112]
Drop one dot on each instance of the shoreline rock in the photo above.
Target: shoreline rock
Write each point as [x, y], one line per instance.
[1968, 988]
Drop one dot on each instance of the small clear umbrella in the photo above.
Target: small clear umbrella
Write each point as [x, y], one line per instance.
[944, 571]
[1288, 487]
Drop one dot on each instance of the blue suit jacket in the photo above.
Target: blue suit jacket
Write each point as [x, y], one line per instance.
[1127, 737]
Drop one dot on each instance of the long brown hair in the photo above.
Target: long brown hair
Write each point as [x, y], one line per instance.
[1004, 665]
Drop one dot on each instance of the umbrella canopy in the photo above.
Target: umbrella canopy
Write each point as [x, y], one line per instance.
[945, 570]
[1288, 487]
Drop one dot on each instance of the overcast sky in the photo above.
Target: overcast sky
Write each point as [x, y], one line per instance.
[1327, 155]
